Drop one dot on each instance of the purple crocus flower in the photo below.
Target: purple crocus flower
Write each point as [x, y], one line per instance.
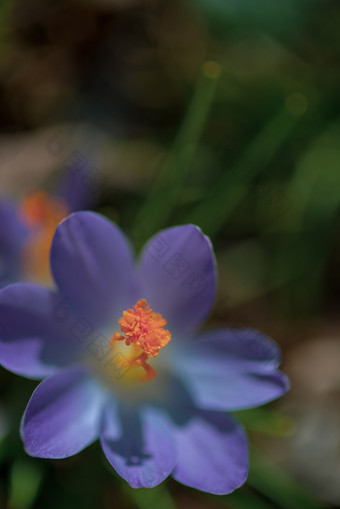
[27, 228]
[117, 346]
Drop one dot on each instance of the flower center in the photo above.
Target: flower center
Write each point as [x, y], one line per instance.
[41, 213]
[144, 330]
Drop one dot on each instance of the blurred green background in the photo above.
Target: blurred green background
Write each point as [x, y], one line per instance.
[223, 113]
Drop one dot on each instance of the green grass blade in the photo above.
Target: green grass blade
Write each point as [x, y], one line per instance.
[165, 191]
[155, 498]
[265, 420]
[272, 482]
[242, 499]
[25, 481]
[227, 192]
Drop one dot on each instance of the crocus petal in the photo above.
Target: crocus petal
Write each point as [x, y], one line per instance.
[34, 341]
[63, 415]
[177, 274]
[236, 391]
[92, 264]
[138, 444]
[219, 350]
[230, 369]
[77, 186]
[212, 452]
[83, 180]
[12, 236]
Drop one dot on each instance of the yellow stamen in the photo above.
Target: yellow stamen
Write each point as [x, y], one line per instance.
[144, 330]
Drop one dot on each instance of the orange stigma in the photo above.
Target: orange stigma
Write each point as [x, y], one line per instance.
[144, 329]
[41, 213]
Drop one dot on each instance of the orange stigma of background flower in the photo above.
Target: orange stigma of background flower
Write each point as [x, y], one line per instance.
[41, 213]
[144, 330]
